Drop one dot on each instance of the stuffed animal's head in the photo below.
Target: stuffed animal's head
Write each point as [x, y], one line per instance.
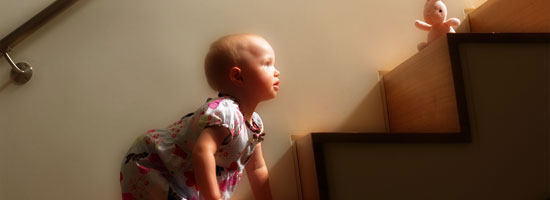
[435, 12]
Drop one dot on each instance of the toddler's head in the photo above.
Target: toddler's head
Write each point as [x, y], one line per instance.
[242, 65]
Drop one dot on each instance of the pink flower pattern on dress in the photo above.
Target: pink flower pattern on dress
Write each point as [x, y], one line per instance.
[214, 104]
[164, 152]
[128, 196]
[179, 152]
[223, 185]
[234, 166]
[143, 170]
[190, 176]
[232, 181]
[154, 158]
[137, 187]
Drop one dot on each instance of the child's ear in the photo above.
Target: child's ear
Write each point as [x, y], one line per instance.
[236, 76]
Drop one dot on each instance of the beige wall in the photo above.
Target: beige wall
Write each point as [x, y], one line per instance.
[105, 71]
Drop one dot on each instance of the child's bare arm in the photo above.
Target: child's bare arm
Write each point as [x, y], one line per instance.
[258, 175]
[205, 164]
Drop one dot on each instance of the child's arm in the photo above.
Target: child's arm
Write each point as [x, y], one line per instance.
[205, 164]
[258, 176]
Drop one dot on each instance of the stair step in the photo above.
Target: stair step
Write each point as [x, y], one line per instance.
[511, 16]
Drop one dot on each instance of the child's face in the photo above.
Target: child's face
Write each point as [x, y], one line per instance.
[259, 72]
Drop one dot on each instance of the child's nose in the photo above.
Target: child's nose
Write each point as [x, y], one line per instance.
[276, 73]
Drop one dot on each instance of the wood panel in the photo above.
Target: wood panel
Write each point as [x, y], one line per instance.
[420, 92]
[306, 167]
[511, 16]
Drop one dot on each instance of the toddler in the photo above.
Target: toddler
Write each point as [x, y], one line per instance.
[202, 155]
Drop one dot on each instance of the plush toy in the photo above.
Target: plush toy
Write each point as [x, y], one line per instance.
[435, 13]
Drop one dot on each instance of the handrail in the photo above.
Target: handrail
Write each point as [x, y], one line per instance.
[23, 31]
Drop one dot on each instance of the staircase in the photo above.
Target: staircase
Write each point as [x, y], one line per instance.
[420, 93]
[446, 94]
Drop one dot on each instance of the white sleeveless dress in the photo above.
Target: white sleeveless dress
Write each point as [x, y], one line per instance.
[159, 165]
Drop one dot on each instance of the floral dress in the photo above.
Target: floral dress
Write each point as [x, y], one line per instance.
[159, 165]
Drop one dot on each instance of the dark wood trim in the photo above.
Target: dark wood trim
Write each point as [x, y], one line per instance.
[464, 136]
[390, 138]
[455, 40]
[320, 139]
[458, 38]
[460, 91]
[34, 24]
[319, 157]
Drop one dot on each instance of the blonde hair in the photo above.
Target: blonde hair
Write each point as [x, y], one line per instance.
[225, 53]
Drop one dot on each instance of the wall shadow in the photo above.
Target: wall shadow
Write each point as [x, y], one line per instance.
[5, 85]
[279, 174]
[369, 115]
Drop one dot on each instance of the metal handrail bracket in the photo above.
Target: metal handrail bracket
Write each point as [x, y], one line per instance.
[22, 72]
